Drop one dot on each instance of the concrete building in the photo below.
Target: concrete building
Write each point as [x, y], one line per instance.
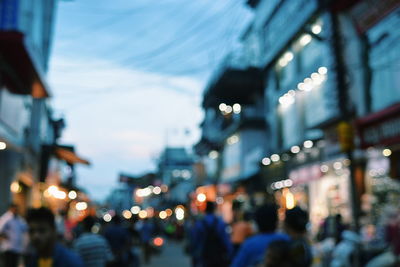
[322, 72]
[26, 122]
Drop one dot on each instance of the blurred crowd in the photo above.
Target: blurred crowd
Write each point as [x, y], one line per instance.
[262, 237]
[265, 236]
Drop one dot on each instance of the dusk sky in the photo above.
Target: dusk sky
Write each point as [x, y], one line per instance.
[128, 77]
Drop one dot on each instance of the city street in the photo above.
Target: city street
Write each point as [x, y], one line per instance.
[172, 255]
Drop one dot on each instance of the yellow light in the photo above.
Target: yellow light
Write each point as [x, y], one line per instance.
[3, 145]
[290, 201]
[169, 212]
[60, 195]
[15, 187]
[127, 214]
[46, 193]
[201, 197]
[52, 190]
[72, 194]
[179, 213]
[387, 152]
[142, 214]
[163, 215]
[81, 206]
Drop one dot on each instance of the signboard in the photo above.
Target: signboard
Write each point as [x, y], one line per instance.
[381, 128]
[305, 175]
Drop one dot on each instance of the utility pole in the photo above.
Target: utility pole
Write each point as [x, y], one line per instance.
[345, 129]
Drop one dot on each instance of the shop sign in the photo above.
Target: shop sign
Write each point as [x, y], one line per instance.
[382, 128]
[305, 174]
[367, 13]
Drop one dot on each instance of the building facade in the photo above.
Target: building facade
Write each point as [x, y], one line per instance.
[330, 96]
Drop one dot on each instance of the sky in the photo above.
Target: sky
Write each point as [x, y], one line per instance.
[128, 77]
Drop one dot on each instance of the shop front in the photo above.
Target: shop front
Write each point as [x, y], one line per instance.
[380, 137]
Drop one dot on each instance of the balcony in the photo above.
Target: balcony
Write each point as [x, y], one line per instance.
[234, 82]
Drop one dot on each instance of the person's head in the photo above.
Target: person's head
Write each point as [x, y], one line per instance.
[266, 218]
[88, 223]
[296, 220]
[210, 207]
[42, 229]
[13, 208]
[277, 254]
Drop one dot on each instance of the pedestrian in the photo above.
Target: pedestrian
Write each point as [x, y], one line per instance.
[146, 235]
[241, 230]
[253, 250]
[13, 231]
[92, 247]
[295, 225]
[46, 250]
[212, 245]
[119, 240]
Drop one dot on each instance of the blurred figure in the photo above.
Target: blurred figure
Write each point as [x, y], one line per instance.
[12, 236]
[345, 253]
[295, 225]
[92, 247]
[146, 236]
[189, 245]
[254, 248]
[278, 255]
[332, 227]
[46, 250]
[119, 240]
[241, 230]
[212, 245]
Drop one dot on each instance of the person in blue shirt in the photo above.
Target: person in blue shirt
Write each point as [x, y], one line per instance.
[211, 228]
[119, 239]
[253, 250]
[43, 236]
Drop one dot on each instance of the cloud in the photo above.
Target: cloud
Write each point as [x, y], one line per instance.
[121, 118]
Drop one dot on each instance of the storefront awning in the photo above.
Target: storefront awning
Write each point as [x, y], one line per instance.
[70, 156]
[18, 69]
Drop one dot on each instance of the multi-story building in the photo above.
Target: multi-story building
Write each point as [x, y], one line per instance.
[175, 169]
[26, 30]
[372, 59]
[320, 73]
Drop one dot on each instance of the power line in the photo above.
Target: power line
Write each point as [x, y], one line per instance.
[187, 34]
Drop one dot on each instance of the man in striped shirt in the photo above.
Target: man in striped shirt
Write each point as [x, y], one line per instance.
[92, 247]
